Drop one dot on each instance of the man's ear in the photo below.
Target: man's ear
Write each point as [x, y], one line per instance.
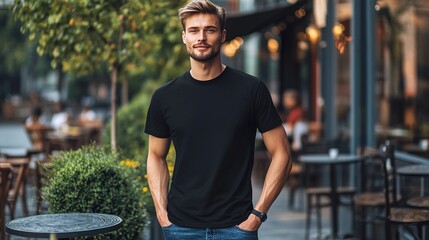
[223, 35]
[183, 36]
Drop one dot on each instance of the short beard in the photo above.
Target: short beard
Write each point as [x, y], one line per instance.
[206, 58]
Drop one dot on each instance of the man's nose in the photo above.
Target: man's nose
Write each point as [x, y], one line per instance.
[202, 36]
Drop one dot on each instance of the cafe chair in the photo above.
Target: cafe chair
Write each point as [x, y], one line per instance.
[19, 170]
[415, 187]
[5, 181]
[319, 197]
[37, 135]
[295, 178]
[369, 201]
[314, 197]
[412, 220]
[419, 202]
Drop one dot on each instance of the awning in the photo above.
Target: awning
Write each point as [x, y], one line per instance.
[244, 24]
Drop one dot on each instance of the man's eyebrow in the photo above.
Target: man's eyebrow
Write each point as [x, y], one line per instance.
[205, 27]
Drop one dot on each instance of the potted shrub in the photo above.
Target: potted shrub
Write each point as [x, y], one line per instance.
[91, 179]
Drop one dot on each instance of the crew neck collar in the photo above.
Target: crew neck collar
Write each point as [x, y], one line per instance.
[210, 81]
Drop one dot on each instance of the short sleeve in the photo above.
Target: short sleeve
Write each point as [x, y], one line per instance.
[267, 116]
[155, 120]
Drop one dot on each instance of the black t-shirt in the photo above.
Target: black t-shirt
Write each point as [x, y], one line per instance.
[212, 125]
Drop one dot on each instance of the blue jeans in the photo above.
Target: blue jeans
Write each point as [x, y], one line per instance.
[174, 232]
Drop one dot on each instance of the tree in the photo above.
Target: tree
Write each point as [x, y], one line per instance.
[83, 36]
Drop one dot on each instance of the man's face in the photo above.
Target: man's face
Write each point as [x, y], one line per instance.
[203, 36]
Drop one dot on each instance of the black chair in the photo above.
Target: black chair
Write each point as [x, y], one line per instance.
[314, 201]
[369, 201]
[412, 220]
[318, 197]
[294, 180]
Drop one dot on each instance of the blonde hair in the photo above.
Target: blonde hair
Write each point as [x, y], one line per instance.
[202, 6]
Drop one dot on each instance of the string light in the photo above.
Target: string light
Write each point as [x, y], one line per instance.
[273, 45]
[313, 33]
[341, 40]
[231, 48]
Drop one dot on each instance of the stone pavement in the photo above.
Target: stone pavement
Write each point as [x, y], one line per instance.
[288, 224]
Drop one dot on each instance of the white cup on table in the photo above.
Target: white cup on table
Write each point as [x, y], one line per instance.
[333, 153]
[424, 143]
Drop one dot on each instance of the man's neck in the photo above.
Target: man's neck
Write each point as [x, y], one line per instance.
[205, 71]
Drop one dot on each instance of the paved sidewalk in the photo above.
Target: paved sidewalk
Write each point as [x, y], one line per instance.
[288, 224]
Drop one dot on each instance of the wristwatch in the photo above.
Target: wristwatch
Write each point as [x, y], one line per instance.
[262, 216]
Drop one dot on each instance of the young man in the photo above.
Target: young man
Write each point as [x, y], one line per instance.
[211, 113]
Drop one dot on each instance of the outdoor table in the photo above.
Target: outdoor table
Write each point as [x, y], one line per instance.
[414, 171]
[64, 225]
[64, 141]
[18, 152]
[332, 162]
[419, 171]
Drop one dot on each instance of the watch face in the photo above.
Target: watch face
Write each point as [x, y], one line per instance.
[263, 217]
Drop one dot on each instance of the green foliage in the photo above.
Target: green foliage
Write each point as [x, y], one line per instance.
[133, 142]
[131, 122]
[83, 36]
[92, 180]
[139, 168]
[130, 126]
[165, 56]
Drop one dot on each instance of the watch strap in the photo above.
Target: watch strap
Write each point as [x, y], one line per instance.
[262, 216]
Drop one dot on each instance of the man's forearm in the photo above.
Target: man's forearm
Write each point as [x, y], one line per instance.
[274, 181]
[158, 179]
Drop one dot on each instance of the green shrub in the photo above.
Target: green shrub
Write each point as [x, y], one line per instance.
[138, 171]
[133, 142]
[131, 139]
[131, 121]
[92, 180]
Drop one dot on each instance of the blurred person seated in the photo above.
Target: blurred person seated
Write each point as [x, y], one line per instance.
[294, 120]
[88, 120]
[37, 128]
[87, 115]
[36, 118]
[61, 117]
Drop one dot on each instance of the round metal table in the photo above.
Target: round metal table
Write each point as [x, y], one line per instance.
[332, 162]
[419, 171]
[64, 225]
[414, 170]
